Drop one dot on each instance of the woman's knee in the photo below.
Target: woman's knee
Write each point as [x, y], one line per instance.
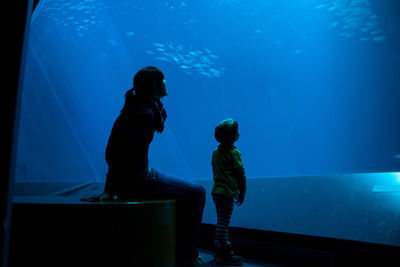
[198, 191]
[182, 188]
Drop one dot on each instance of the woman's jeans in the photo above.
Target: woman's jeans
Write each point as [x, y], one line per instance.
[190, 200]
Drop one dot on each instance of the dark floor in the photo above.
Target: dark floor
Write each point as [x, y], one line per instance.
[208, 256]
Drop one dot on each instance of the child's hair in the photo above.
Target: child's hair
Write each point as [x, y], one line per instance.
[226, 131]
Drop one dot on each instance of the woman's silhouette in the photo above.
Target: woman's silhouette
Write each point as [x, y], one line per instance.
[129, 176]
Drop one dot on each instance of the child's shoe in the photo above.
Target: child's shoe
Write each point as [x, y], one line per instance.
[225, 256]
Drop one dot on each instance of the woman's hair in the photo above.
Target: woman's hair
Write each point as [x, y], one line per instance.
[226, 131]
[146, 82]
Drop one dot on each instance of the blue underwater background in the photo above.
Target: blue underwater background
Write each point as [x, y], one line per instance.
[313, 84]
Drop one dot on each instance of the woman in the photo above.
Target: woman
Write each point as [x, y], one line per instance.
[129, 176]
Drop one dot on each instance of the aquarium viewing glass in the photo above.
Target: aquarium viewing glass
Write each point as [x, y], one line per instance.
[313, 84]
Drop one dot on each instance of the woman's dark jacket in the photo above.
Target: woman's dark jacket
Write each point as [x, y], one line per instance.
[128, 144]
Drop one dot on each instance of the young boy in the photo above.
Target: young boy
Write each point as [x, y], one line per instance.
[229, 184]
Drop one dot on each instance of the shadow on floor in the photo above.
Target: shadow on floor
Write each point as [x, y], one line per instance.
[208, 257]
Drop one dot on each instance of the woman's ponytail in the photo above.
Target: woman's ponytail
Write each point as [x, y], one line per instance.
[128, 98]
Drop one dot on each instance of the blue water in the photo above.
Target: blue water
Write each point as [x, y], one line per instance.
[313, 84]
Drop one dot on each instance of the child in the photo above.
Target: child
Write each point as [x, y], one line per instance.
[229, 184]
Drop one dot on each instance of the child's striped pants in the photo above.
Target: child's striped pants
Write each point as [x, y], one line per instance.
[224, 206]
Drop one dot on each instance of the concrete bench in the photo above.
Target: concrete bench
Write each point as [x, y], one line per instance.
[54, 231]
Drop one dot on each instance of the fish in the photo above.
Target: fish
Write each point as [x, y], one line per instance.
[158, 44]
[175, 59]
[188, 61]
[358, 2]
[205, 59]
[321, 6]
[214, 71]
[164, 59]
[379, 38]
[372, 23]
[332, 8]
[355, 17]
[376, 32]
[195, 53]
[333, 25]
[200, 65]
[171, 46]
[348, 34]
[366, 29]
[169, 54]
[206, 74]
[199, 61]
[346, 27]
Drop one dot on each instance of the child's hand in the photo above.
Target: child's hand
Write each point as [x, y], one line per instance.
[240, 199]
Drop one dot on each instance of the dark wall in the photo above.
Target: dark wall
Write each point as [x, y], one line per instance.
[14, 35]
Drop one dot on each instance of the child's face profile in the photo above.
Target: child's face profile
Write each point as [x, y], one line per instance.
[237, 131]
[237, 136]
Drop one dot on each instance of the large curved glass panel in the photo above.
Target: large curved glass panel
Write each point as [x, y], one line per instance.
[312, 83]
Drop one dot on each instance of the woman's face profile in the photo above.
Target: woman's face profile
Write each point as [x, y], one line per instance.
[163, 90]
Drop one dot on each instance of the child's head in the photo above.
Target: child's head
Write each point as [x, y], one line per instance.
[227, 132]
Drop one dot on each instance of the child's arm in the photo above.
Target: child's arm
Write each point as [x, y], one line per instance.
[241, 176]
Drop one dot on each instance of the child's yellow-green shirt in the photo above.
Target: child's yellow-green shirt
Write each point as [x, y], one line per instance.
[224, 160]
